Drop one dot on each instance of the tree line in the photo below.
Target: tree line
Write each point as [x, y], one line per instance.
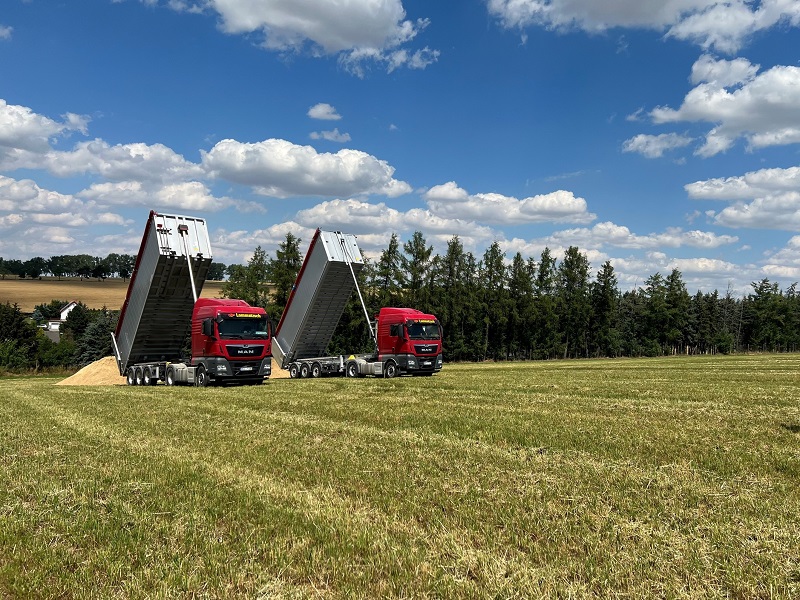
[495, 308]
[85, 337]
[490, 308]
[84, 266]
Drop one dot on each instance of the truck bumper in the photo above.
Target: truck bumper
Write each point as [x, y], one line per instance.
[422, 364]
[221, 369]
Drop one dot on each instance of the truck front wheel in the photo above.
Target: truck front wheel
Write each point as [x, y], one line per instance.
[352, 369]
[201, 378]
[169, 378]
[390, 370]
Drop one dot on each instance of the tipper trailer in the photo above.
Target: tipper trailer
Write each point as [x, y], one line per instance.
[406, 341]
[230, 340]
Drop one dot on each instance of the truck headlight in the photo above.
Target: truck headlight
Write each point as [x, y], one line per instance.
[222, 368]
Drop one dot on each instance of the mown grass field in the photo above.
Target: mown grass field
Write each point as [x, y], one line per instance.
[633, 478]
[94, 293]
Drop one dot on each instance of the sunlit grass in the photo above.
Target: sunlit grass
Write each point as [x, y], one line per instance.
[661, 477]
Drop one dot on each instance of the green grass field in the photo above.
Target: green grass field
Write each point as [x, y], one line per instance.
[632, 478]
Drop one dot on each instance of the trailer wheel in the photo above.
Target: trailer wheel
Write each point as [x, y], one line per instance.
[352, 369]
[316, 370]
[139, 376]
[147, 376]
[304, 371]
[390, 370]
[130, 376]
[201, 377]
[169, 378]
[294, 371]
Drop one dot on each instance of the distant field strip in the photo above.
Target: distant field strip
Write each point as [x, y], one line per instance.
[659, 477]
[109, 293]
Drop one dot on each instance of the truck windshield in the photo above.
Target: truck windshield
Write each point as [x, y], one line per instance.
[422, 331]
[233, 328]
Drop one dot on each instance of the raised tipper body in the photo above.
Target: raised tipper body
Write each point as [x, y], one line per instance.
[160, 312]
[406, 340]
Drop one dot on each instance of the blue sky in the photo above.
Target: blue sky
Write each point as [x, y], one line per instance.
[657, 134]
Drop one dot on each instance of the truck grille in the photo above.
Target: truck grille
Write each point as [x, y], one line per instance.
[425, 349]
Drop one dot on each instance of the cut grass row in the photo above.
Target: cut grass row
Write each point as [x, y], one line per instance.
[661, 477]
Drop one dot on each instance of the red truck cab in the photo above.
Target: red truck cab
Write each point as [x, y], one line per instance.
[231, 341]
[411, 338]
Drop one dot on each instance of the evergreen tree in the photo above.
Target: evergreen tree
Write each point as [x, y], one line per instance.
[76, 322]
[388, 276]
[282, 270]
[520, 292]
[415, 264]
[678, 325]
[574, 308]
[249, 283]
[95, 343]
[18, 342]
[494, 303]
[548, 344]
[604, 333]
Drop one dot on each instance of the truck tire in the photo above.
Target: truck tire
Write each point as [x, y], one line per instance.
[147, 376]
[139, 376]
[201, 377]
[130, 376]
[351, 369]
[316, 370]
[294, 370]
[304, 371]
[169, 378]
[390, 370]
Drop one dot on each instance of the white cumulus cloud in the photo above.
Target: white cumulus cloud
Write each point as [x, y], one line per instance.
[450, 201]
[279, 168]
[23, 129]
[331, 136]
[739, 102]
[769, 198]
[324, 112]
[654, 146]
[721, 24]
[359, 31]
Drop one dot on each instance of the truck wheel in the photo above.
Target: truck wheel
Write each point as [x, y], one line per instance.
[147, 376]
[130, 376]
[201, 377]
[169, 379]
[294, 371]
[390, 370]
[316, 370]
[352, 369]
[139, 376]
[304, 370]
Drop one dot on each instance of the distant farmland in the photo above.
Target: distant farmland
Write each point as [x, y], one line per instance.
[94, 293]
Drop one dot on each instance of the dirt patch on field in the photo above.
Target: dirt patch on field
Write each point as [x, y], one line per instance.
[105, 372]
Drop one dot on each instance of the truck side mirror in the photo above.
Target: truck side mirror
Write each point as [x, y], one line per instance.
[208, 327]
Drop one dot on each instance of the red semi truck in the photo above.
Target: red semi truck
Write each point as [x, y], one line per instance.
[406, 341]
[230, 340]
